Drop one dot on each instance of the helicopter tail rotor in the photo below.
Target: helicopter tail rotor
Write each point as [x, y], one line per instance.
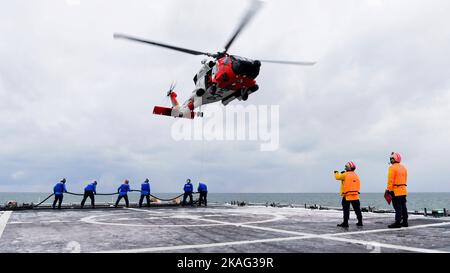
[172, 87]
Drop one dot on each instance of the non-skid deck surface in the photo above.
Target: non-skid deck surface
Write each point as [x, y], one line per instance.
[214, 229]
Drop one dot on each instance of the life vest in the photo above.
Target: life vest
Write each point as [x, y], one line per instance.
[352, 186]
[397, 179]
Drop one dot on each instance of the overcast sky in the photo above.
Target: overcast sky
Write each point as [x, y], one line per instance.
[75, 103]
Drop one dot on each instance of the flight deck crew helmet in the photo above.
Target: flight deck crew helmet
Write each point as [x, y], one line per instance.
[63, 180]
[396, 157]
[95, 182]
[350, 166]
[146, 180]
[188, 180]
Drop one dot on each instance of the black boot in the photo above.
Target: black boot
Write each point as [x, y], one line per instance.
[343, 225]
[360, 221]
[395, 225]
[405, 224]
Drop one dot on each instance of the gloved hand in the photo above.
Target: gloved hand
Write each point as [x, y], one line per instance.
[335, 171]
[343, 172]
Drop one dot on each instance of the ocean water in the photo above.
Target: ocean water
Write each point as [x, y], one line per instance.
[416, 201]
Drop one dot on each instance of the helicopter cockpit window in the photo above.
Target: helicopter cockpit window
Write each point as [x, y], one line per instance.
[226, 61]
[214, 71]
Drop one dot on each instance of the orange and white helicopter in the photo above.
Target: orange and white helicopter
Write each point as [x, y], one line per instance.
[223, 78]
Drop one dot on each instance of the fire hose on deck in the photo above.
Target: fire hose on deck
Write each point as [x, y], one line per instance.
[106, 194]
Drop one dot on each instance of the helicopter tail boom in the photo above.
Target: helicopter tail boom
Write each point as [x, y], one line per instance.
[172, 112]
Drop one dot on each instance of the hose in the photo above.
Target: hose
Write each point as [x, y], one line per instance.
[81, 194]
[43, 200]
[167, 200]
[162, 199]
[156, 197]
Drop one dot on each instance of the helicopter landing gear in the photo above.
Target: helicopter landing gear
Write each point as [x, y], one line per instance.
[254, 88]
[244, 94]
[200, 92]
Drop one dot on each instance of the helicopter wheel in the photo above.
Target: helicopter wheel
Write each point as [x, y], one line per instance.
[244, 94]
[254, 88]
[200, 92]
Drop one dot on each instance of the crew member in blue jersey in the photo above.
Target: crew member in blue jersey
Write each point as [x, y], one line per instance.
[203, 191]
[59, 189]
[123, 193]
[188, 189]
[145, 192]
[89, 191]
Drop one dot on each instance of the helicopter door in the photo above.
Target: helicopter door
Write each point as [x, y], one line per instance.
[200, 77]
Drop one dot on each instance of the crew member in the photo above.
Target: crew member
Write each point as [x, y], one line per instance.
[350, 187]
[188, 189]
[396, 186]
[145, 192]
[123, 193]
[89, 191]
[59, 189]
[203, 191]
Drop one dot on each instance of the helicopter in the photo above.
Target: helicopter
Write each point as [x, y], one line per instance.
[224, 77]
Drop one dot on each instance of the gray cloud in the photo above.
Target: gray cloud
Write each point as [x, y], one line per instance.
[76, 103]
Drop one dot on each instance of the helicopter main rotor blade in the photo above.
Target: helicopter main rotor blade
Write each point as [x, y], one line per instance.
[288, 62]
[184, 50]
[255, 6]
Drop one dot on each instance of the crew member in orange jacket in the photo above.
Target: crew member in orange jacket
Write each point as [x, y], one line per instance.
[396, 186]
[350, 187]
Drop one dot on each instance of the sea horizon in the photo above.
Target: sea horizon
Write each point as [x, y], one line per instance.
[416, 200]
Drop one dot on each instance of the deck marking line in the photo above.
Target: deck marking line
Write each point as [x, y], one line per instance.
[302, 236]
[91, 220]
[389, 229]
[3, 221]
[362, 242]
[373, 243]
[166, 248]
[273, 240]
